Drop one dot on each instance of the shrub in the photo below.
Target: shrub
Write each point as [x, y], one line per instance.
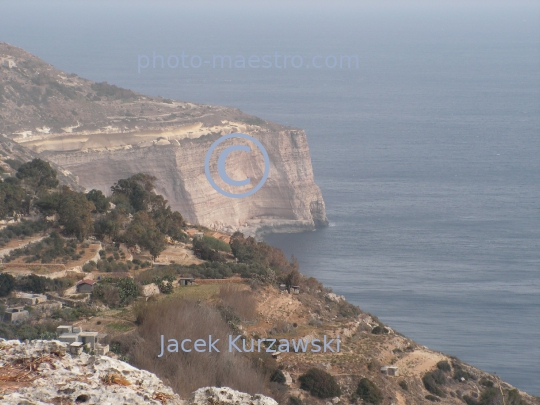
[486, 383]
[295, 401]
[460, 373]
[469, 400]
[432, 398]
[443, 365]
[319, 383]
[278, 377]
[403, 385]
[431, 384]
[88, 267]
[217, 244]
[369, 392]
[438, 377]
[379, 330]
[7, 284]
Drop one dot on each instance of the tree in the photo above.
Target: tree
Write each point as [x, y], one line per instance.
[37, 174]
[143, 232]
[169, 222]
[33, 283]
[292, 278]
[100, 201]
[7, 284]
[48, 204]
[75, 214]
[11, 197]
[111, 224]
[138, 189]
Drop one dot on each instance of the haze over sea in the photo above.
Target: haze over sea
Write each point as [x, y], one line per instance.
[427, 154]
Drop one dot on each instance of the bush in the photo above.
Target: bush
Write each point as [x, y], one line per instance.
[403, 385]
[278, 377]
[46, 250]
[295, 401]
[431, 384]
[216, 244]
[319, 384]
[369, 392]
[432, 398]
[116, 292]
[443, 365]
[460, 373]
[22, 229]
[88, 267]
[486, 383]
[7, 284]
[380, 330]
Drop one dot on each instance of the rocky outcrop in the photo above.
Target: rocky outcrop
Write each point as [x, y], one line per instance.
[226, 396]
[41, 372]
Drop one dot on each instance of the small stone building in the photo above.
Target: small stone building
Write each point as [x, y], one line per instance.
[16, 315]
[295, 289]
[8, 62]
[85, 286]
[390, 371]
[31, 299]
[77, 339]
[186, 281]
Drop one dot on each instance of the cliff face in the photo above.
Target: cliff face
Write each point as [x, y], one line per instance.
[102, 133]
[289, 200]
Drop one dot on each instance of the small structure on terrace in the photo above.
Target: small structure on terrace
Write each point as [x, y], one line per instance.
[78, 339]
[186, 281]
[389, 370]
[15, 315]
[30, 299]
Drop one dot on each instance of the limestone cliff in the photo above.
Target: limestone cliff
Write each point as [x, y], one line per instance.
[102, 133]
[289, 200]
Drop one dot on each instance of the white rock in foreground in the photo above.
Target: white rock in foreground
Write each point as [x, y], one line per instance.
[80, 379]
[227, 396]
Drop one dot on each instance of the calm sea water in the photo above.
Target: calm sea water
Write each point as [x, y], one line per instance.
[426, 154]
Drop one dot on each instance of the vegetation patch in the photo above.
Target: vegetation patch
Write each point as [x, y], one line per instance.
[432, 380]
[369, 392]
[47, 250]
[319, 383]
[120, 326]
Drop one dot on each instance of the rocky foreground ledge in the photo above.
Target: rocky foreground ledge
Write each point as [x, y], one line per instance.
[41, 372]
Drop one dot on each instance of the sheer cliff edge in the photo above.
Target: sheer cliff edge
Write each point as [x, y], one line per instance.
[101, 133]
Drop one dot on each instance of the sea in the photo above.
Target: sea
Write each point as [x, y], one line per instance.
[426, 148]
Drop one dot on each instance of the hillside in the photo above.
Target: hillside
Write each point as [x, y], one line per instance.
[130, 271]
[101, 133]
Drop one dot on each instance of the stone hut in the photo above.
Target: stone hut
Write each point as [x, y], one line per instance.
[31, 299]
[77, 339]
[16, 315]
[390, 371]
[186, 281]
